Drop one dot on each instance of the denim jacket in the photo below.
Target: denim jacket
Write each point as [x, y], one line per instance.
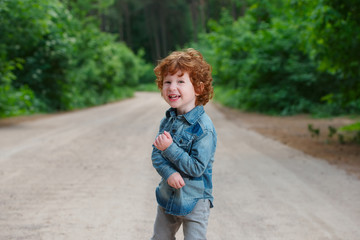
[191, 154]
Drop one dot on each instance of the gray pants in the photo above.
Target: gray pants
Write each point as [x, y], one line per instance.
[194, 224]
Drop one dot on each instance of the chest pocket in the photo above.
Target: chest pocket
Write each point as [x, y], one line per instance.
[184, 141]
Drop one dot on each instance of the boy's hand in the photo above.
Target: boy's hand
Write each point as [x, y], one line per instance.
[163, 141]
[176, 181]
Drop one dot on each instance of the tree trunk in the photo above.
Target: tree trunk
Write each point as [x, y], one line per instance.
[194, 17]
[243, 8]
[103, 22]
[120, 21]
[128, 37]
[163, 39]
[202, 15]
[152, 28]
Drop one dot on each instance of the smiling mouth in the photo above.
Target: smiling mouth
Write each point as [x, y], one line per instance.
[174, 97]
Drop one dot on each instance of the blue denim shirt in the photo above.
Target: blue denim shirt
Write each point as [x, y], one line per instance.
[191, 154]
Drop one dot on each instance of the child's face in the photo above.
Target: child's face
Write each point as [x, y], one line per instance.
[178, 91]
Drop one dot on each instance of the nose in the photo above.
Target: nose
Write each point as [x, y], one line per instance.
[173, 86]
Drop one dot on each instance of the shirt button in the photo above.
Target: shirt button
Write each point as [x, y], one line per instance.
[173, 131]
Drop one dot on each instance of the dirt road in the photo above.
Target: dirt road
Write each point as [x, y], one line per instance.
[88, 175]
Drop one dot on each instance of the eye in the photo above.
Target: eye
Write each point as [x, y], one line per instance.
[167, 82]
[181, 81]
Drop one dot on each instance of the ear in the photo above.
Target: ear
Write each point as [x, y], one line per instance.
[199, 89]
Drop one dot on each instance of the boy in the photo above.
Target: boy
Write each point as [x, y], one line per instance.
[183, 152]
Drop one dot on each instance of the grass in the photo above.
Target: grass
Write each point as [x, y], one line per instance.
[147, 87]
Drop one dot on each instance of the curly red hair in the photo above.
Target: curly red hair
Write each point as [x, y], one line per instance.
[192, 62]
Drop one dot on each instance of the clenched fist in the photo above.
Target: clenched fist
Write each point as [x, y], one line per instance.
[163, 141]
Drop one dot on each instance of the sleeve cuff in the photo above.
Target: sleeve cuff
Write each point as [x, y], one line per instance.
[166, 172]
[171, 152]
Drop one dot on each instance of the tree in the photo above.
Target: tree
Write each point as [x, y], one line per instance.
[332, 38]
[51, 60]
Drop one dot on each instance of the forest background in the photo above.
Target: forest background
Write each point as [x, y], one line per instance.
[279, 57]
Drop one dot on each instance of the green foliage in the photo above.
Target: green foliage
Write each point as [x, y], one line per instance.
[147, 87]
[332, 39]
[279, 57]
[16, 102]
[351, 127]
[315, 132]
[332, 131]
[287, 57]
[99, 71]
[346, 134]
[263, 66]
[50, 60]
[353, 130]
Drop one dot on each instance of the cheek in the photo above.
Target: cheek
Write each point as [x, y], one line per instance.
[163, 92]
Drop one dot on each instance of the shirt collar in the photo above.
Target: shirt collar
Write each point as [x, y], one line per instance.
[191, 117]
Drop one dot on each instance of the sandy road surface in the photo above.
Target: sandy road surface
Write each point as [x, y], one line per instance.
[88, 175]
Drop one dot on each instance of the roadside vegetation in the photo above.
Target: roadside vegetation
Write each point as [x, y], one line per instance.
[280, 57]
[51, 60]
[289, 57]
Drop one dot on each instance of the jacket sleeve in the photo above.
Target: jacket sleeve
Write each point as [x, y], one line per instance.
[162, 166]
[195, 163]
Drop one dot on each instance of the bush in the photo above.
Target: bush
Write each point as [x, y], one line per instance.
[51, 61]
[265, 66]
